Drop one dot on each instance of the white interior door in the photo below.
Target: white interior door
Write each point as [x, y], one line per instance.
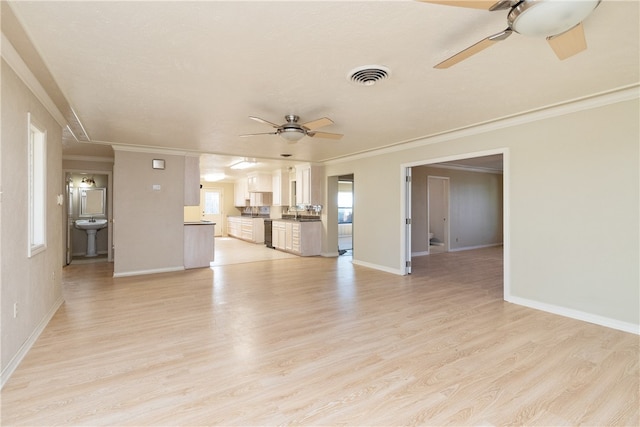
[211, 203]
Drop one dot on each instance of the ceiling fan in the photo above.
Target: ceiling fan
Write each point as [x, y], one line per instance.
[560, 21]
[292, 131]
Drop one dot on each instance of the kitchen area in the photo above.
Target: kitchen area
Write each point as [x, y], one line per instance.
[280, 210]
[274, 214]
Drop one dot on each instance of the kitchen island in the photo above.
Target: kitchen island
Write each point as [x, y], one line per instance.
[297, 236]
[199, 244]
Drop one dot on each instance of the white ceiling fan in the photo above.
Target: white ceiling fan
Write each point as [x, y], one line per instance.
[559, 21]
[292, 131]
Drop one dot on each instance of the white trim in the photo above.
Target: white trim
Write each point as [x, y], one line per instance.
[89, 159]
[468, 169]
[577, 314]
[422, 253]
[24, 349]
[622, 94]
[379, 267]
[16, 63]
[469, 248]
[153, 150]
[152, 271]
[329, 254]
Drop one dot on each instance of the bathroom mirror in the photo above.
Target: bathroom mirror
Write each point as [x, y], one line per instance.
[92, 201]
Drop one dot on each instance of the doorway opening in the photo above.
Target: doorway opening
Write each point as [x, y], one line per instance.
[437, 214]
[88, 197]
[457, 203]
[345, 214]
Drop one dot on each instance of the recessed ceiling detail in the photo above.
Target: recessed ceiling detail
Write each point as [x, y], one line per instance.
[369, 75]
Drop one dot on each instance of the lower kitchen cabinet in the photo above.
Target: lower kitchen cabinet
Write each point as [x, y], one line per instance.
[300, 238]
[198, 244]
[246, 228]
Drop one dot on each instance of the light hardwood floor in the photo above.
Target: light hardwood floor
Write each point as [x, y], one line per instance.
[318, 341]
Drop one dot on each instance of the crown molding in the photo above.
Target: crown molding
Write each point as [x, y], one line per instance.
[152, 150]
[623, 94]
[89, 159]
[465, 168]
[14, 60]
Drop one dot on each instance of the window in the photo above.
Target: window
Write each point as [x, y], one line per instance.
[345, 203]
[212, 203]
[37, 158]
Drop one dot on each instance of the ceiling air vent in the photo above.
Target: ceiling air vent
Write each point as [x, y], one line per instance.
[369, 75]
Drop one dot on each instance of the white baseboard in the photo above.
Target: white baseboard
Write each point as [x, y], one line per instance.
[576, 314]
[379, 267]
[153, 271]
[24, 349]
[330, 254]
[423, 253]
[469, 248]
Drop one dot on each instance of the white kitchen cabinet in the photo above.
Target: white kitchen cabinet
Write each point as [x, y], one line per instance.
[241, 192]
[246, 228]
[278, 231]
[309, 184]
[234, 225]
[192, 181]
[299, 238]
[288, 237]
[259, 182]
[280, 188]
[260, 199]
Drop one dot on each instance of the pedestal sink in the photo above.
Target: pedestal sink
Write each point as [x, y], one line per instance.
[91, 226]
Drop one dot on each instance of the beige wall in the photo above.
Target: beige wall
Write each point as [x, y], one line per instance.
[148, 224]
[573, 200]
[475, 208]
[33, 283]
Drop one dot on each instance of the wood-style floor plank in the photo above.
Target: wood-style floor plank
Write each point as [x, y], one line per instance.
[318, 341]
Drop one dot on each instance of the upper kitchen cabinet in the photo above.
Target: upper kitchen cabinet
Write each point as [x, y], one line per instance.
[259, 182]
[192, 180]
[241, 192]
[309, 188]
[280, 187]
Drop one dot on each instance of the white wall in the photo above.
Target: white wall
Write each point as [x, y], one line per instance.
[475, 208]
[33, 283]
[148, 223]
[573, 207]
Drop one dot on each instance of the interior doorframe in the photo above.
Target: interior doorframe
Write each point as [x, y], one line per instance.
[109, 174]
[405, 209]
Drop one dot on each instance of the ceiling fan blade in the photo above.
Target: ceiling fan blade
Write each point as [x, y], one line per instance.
[568, 43]
[258, 119]
[256, 134]
[472, 50]
[326, 135]
[474, 4]
[315, 124]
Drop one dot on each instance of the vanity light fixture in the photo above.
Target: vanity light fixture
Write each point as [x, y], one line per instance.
[87, 182]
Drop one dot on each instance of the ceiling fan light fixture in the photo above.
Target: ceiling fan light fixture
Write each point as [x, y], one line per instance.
[292, 134]
[544, 18]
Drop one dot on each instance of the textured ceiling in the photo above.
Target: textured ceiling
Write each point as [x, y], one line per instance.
[187, 75]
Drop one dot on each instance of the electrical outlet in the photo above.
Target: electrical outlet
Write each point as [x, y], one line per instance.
[15, 310]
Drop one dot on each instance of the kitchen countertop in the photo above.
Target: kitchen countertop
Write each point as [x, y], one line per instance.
[199, 223]
[299, 219]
